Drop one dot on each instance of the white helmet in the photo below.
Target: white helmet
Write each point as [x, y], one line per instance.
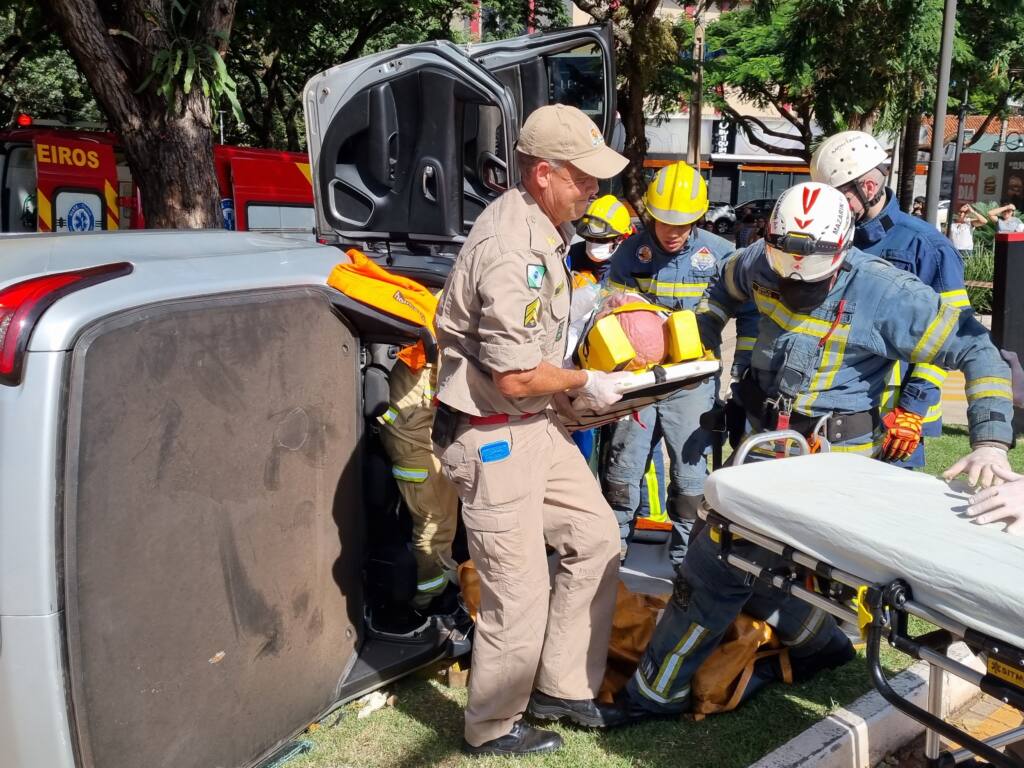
[846, 156]
[809, 233]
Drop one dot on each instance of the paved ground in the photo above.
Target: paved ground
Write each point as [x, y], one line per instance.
[983, 717]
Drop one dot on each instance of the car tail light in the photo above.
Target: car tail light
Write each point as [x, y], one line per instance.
[22, 304]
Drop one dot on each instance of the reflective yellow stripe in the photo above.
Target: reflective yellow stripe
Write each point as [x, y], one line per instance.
[663, 289]
[647, 693]
[713, 308]
[891, 389]
[988, 386]
[655, 512]
[957, 298]
[831, 362]
[864, 449]
[935, 334]
[112, 209]
[432, 585]
[388, 417]
[409, 474]
[620, 286]
[791, 321]
[934, 413]
[930, 373]
[745, 343]
[674, 661]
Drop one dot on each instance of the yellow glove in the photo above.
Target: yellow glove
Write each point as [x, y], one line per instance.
[903, 434]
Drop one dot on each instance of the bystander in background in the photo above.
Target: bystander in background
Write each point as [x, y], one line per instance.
[961, 231]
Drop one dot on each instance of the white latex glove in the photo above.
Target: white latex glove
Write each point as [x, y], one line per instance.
[1001, 503]
[979, 465]
[600, 391]
[1017, 373]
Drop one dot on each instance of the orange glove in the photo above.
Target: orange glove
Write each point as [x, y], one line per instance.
[903, 434]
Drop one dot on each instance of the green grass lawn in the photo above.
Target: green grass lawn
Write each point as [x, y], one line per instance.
[424, 728]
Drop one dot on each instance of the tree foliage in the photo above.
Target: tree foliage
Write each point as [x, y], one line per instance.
[653, 76]
[37, 75]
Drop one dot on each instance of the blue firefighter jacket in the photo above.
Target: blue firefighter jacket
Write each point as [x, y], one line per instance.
[679, 280]
[842, 351]
[915, 246]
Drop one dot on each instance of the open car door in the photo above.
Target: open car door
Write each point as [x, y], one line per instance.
[410, 145]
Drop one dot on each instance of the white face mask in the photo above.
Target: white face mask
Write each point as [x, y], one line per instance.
[599, 252]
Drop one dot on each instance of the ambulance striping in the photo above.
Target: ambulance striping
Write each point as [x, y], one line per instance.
[45, 212]
[112, 211]
[304, 167]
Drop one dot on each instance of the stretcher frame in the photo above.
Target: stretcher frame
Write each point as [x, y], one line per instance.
[882, 612]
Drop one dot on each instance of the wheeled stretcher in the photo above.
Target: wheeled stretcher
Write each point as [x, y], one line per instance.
[872, 545]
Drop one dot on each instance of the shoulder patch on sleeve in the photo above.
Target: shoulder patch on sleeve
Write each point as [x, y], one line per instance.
[531, 314]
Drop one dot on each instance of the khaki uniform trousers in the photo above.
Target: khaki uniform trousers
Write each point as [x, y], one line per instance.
[530, 633]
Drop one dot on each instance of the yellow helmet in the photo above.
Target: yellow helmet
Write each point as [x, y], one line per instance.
[677, 195]
[607, 218]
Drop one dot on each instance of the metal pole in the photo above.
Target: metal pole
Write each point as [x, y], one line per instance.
[221, 111]
[939, 117]
[932, 745]
[954, 200]
[1002, 134]
[697, 97]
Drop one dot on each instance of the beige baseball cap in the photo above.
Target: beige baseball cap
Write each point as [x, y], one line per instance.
[560, 132]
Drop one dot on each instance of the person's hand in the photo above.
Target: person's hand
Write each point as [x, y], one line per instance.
[1017, 374]
[980, 465]
[1001, 502]
[903, 434]
[600, 390]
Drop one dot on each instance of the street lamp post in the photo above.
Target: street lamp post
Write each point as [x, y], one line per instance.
[939, 117]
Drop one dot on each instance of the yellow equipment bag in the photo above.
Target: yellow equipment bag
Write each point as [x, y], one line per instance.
[606, 347]
[367, 282]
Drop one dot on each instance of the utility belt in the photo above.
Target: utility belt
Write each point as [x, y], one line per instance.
[447, 420]
[763, 414]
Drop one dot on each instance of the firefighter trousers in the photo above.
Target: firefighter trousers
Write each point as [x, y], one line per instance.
[433, 504]
[524, 486]
[708, 595]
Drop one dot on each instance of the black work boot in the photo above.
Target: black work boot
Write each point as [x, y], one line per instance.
[523, 739]
[586, 712]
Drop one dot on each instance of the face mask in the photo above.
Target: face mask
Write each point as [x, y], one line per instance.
[801, 296]
[599, 252]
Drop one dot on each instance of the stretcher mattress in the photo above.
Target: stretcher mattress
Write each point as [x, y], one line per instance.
[880, 523]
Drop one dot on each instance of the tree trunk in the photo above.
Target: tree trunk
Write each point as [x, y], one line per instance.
[908, 160]
[169, 149]
[631, 110]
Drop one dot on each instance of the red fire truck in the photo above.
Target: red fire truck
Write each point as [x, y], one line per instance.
[56, 179]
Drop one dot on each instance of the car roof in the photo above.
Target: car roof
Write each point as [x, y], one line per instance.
[167, 265]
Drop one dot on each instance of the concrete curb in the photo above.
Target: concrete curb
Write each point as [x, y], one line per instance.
[871, 728]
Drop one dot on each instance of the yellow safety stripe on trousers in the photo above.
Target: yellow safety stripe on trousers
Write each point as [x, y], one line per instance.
[930, 373]
[674, 661]
[957, 298]
[666, 290]
[655, 512]
[792, 321]
[745, 343]
[409, 474]
[647, 693]
[934, 413]
[831, 362]
[935, 334]
[988, 386]
[810, 628]
[388, 417]
[432, 585]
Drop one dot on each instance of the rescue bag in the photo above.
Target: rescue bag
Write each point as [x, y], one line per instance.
[367, 282]
[607, 346]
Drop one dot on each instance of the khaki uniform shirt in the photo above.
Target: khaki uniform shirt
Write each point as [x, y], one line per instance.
[505, 306]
